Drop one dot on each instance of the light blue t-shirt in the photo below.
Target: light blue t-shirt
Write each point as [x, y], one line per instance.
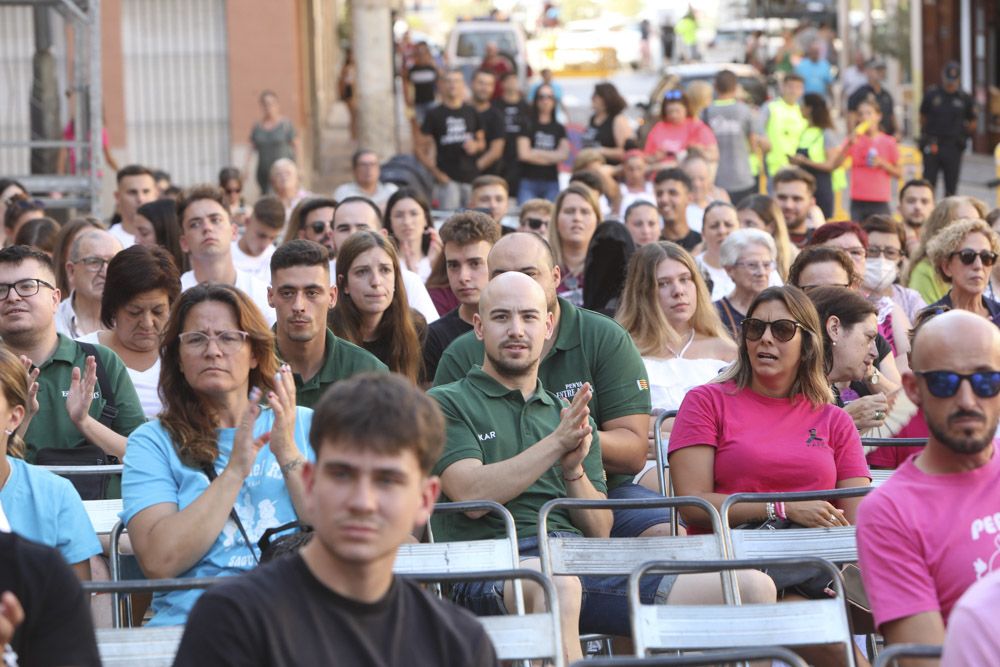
[817, 76]
[46, 508]
[154, 474]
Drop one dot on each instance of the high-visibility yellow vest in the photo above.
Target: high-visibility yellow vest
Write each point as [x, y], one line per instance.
[785, 124]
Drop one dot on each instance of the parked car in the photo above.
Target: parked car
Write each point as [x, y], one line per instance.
[467, 42]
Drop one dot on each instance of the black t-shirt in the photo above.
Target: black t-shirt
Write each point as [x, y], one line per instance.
[439, 336]
[451, 128]
[424, 79]
[598, 136]
[885, 104]
[492, 122]
[946, 113]
[514, 118]
[689, 242]
[544, 137]
[57, 629]
[281, 615]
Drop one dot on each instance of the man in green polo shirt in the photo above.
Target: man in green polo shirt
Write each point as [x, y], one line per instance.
[301, 295]
[511, 441]
[70, 399]
[586, 348]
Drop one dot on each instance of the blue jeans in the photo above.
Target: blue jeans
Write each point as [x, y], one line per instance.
[531, 188]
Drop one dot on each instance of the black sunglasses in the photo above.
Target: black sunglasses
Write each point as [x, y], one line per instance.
[319, 226]
[944, 384]
[536, 223]
[782, 330]
[968, 256]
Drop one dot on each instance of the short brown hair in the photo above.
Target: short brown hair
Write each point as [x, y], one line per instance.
[469, 227]
[197, 193]
[818, 254]
[543, 206]
[270, 212]
[792, 174]
[379, 411]
[885, 224]
[487, 180]
[134, 271]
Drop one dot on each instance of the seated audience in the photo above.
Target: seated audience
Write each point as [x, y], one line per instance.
[921, 275]
[604, 271]
[963, 255]
[762, 212]
[490, 193]
[367, 172]
[409, 224]
[375, 438]
[885, 258]
[71, 402]
[206, 236]
[575, 219]
[39, 233]
[467, 238]
[146, 285]
[205, 480]
[748, 257]
[302, 295]
[928, 533]
[156, 225]
[719, 222]
[252, 252]
[535, 217]
[642, 220]
[86, 271]
[371, 310]
[38, 505]
[312, 220]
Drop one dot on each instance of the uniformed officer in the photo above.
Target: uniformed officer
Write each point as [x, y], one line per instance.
[947, 119]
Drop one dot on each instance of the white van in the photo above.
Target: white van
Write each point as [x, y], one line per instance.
[467, 46]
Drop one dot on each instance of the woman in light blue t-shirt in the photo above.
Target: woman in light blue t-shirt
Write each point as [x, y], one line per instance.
[34, 503]
[214, 451]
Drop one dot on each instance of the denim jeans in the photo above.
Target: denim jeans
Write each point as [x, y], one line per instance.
[452, 195]
[531, 188]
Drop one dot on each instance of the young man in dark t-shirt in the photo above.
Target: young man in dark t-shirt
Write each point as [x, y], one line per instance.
[795, 192]
[467, 238]
[337, 601]
[491, 120]
[515, 113]
[451, 138]
[673, 194]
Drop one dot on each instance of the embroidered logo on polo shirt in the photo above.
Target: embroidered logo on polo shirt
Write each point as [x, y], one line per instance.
[570, 391]
[815, 440]
[487, 436]
[643, 385]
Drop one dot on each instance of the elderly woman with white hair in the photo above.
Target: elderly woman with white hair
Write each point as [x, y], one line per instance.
[748, 256]
[286, 186]
[963, 255]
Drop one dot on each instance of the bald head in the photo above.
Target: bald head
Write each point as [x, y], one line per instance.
[511, 288]
[513, 322]
[957, 335]
[530, 254]
[94, 239]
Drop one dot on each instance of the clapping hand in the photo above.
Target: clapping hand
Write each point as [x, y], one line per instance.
[282, 402]
[81, 391]
[245, 446]
[31, 409]
[574, 432]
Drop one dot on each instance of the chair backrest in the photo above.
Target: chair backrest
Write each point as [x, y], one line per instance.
[534, 636]
[880, 477]
[73, 471]
[888, 656]
[150, 647]
[620, 556]
[766, 653]
[837, 545]
[703, 627]
[103, 514]
[666, 489]
[893, 442]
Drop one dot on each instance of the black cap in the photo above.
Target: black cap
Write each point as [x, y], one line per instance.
[952, 72]
[875, 63]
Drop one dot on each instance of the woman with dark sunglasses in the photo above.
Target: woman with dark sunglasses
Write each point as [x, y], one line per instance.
[963, 255]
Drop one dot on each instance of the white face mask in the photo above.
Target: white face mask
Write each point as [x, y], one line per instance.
[879, 273]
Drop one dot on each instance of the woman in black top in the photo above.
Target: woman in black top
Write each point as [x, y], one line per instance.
[541, 146]
[609, 129]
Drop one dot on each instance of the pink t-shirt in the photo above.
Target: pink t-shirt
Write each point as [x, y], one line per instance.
[872, 183]
[972, 638]
[924, 539]
[769, 444]
[670, 138]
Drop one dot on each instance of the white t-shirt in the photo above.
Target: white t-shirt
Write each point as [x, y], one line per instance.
[722, 284]
[629, 198]
[259, 267]
[416, 293]
[146, 382]
[255, 289]
[695, 217]
[382, 193]
[127, 240]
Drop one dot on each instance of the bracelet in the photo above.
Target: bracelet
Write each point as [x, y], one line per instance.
[771, 516]
[292, 465]
[573, 479]
[779, 509]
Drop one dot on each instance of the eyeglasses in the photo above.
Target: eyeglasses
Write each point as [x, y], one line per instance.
[945, 384]
[320, 226]
[892, 254]
[93, 264]
[24, 288]
[673, 95]
[228, 341]
[782, 330]
[755, 267]
[968, 256]
[809, 288]
[536, 223]
[858, 252]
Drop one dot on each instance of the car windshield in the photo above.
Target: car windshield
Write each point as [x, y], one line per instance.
[473, 44]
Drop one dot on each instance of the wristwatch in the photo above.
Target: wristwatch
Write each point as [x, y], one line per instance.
[873, 380]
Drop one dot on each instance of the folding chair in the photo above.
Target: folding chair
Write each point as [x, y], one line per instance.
[697, 659]
[880, 476]
[889, 656]
[666, 485]
[534, 636]
[70, 471]
[103, 514]
[707, 627]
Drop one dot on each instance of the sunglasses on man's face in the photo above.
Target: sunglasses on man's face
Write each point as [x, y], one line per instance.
[320, 226]
[536, 223]
[782, 330]
[945, 384]
[968, 256]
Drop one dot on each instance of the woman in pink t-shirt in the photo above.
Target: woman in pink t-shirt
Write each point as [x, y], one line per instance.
[768, 425]
[676, 133]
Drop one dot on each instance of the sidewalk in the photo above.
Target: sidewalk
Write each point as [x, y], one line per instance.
[977, 169]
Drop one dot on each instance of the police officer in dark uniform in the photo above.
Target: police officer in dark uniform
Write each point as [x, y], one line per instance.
[947, 119]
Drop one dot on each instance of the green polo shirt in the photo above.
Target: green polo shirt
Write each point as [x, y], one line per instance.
[488, 422]
[590, 348]
[52, 426]
[341, 360]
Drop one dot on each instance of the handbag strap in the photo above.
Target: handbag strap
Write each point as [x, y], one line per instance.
[209, 471]
[110, 411]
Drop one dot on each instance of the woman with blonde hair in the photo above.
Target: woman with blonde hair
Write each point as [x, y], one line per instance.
[576, 217]
[762, 212]
[204, 481]
[963, 254]
[372, 310]
[921, 274]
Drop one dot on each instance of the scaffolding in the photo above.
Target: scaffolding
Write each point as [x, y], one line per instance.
[79, 190]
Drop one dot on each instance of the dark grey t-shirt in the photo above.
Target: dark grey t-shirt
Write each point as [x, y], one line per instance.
[732, 122]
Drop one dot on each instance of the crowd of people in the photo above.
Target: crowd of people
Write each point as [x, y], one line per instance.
[340, 362]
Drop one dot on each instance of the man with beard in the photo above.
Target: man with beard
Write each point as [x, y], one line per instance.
[301, 295]
[795, 190]
[931, 530]
[916, 201]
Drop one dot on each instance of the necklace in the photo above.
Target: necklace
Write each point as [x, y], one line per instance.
[678, 355]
